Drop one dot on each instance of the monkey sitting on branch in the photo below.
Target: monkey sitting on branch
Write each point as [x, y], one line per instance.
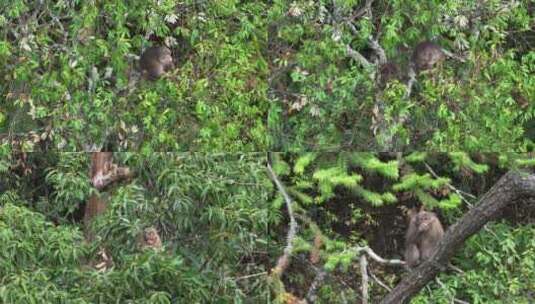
[426, 55]
[422, 237]
[149, 239]
[155, 61]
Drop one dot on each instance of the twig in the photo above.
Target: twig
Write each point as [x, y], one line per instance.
[459, 192]
[376, 279]
[452, 55]
[364, 275]
[455, 300]
[411, 81]
[455, 268]
[251, 276]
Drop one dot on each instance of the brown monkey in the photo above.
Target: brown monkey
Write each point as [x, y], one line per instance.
[426, 54]
[423, 235]
[103, 262]
[150, 239]
[155, 61]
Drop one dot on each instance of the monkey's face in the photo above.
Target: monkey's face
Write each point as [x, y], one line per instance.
[425, 220]
[166, 60]
[151, 237]
[426, 55]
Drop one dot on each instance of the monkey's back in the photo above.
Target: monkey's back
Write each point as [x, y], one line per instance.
[149, 62]
[426, 55]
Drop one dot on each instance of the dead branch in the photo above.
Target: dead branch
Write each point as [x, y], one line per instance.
[452, 55]
[376, 257]
[410, 82]
[284, 259]
[512, 187]
[364, 275]
[459, 192]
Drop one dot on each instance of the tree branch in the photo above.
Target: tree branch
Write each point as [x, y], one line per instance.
[313, 289]
[364, 282]
[284, 259]
[376, 257]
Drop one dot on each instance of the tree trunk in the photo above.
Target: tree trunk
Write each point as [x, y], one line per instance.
[103, 173]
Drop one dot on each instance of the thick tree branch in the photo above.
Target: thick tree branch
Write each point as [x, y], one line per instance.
[513, 186]
[364, 276]
[284, 259]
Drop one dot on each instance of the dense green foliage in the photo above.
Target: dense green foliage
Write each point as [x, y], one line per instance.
[327, 100]
[304, 78]
[211, 211]
[65, 69]
[261, 75]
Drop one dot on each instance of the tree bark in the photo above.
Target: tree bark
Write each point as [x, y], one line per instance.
[103, 173]
[513, 186]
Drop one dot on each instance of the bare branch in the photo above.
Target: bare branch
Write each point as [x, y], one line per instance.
[411, 81]
[454, 299]
[452, 55]
[364, 275]
[378, 49]
[459, 192]
[251, 276]
[376, 257]
[284, 259]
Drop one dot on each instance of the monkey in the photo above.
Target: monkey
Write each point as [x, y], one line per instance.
[426, 54]
[155, 61]
[104, 261]
[150, 239]
[422, 237]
